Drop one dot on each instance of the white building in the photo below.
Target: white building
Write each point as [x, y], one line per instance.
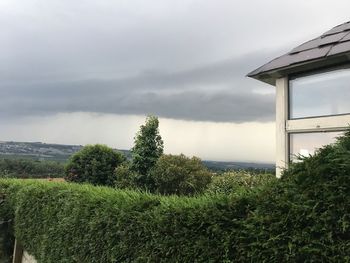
[312, 93]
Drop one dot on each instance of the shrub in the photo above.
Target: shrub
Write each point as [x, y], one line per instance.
[125, 178]
[178, 174]
[233, 181]
[94, 164]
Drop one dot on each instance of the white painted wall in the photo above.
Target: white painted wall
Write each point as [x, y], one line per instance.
[281, 119]
[26, 258]
[20, 255]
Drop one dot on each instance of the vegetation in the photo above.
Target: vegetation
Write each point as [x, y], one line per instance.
[178, 174]
[41, 151]
[148, 147]
[94, 164]
[26, 168]
[125, 178]
[303, 217]
[234, 181]
[61, 153]
[257, 168]
[7, 239]
[158, 173]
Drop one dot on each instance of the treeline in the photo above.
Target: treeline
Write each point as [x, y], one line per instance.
[28, 168]
[220, 167]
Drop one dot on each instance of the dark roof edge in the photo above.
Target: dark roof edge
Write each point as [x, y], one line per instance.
[270, 76]
[258, 71]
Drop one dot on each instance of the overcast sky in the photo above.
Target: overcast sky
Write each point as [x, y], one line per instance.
[80, 72]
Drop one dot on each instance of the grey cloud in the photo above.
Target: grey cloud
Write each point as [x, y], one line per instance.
[217, 107]
[215, 92]
[177, 59]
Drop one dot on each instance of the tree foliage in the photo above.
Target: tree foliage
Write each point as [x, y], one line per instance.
[233, 181]
[94, 164]
[148, 147]
[178, 174]
[125, 178]
[28, 168]
[302, 217]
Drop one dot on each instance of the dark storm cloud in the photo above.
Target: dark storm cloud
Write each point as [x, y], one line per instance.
[216, 92]
[177, 59]
[222, 107]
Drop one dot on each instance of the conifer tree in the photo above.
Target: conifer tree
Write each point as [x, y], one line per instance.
[148, 147]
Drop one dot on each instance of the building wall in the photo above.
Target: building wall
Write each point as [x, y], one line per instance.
[281, 120]
[20, 255]
[26, 258]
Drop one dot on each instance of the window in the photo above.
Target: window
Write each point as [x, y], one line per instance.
[320, 94]
[305, 144]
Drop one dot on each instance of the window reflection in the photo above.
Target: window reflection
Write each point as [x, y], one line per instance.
[320, 94]
[306, 144]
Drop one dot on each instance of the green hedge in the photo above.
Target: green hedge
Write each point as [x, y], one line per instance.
[6, 230]
[304, 217]
[59, 222]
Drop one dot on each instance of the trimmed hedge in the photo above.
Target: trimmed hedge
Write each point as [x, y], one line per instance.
[304, 217]
[61, 222]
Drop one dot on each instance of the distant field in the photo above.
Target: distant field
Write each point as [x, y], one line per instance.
[60, 159]
[219, 166]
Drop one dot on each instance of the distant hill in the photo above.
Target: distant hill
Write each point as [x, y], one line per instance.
[61, 153]
[222, 166]
[41, 151]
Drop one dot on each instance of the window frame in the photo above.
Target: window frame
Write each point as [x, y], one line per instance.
[315, 131]
[309, 124]
[312, 73]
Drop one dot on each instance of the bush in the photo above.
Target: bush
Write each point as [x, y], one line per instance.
[178, 174]
[233, 181]
[303, 217]
[125, 178]
[94, 164]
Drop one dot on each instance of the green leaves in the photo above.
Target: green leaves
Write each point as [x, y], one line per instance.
[235, 181]
[27, 168]
[94, 164]
[148, 147]
[178, 174]
[303, 217]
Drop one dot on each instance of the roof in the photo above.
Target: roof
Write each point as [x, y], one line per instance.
[332, 47]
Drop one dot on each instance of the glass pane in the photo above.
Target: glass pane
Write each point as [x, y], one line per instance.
[320, 94]
[305, 144]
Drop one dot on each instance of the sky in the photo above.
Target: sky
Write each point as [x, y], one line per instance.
[85, 72]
